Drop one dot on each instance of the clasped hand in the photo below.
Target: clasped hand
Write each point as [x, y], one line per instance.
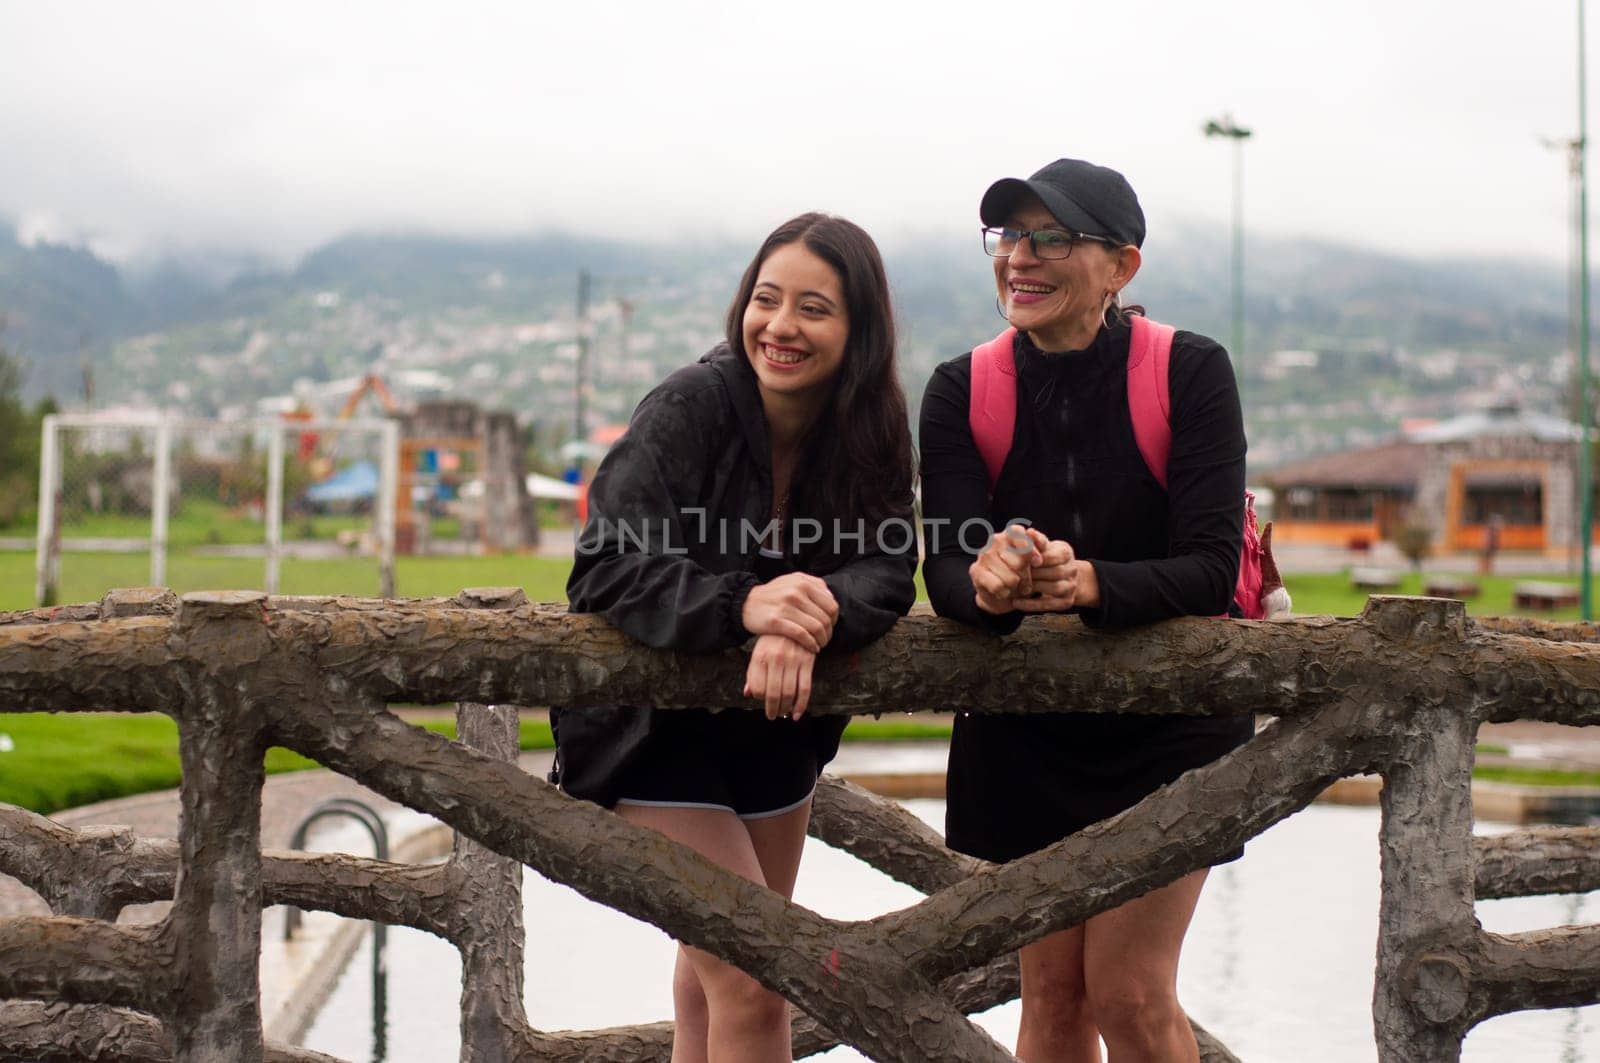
[792, 618]
[1024, 570]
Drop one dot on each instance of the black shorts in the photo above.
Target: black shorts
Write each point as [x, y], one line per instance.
[1018, 783]
[736, 760]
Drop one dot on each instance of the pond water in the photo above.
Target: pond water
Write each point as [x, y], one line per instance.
[1278, 963]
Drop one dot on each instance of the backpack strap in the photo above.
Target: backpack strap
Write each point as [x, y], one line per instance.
[1149, 355]
[992, 402]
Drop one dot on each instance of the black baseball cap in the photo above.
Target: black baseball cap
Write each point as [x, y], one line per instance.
[1086, 198]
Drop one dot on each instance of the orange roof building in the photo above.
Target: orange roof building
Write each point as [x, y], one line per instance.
[1454, 477]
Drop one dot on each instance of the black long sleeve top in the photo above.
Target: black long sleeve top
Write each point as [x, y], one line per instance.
[1074, 471]
[677, 513]
[670, 550]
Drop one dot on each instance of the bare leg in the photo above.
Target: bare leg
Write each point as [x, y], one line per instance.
[778, 842]
[691, 1018]
[744, 1021]
[1056, 1024]
[1131, 971]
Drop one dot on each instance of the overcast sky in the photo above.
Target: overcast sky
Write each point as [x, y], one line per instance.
[1408, 125]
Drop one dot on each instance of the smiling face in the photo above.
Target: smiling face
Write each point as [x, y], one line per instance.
[1059, 302]
[795, 326]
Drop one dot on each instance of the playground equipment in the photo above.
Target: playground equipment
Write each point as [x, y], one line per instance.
[446, 445]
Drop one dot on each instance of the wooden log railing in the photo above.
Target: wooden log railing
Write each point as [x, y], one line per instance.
[1399, 691]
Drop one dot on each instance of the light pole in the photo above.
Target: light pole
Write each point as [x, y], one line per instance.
[580, 432]
[1585, 455]
[1573, 148]
[1227, 127]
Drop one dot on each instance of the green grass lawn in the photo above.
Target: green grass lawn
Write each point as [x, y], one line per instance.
[61, 760]
[1330, 594]
[206, 522]
[203, 522]
[85, 577]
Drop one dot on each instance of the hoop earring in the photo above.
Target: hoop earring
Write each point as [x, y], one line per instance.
[1000, 309]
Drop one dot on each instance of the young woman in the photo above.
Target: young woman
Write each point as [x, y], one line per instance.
[762, 493]
[1107, 541]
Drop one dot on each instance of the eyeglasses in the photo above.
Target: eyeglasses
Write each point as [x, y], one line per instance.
[1047, 243]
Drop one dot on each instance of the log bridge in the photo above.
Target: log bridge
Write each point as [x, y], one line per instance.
[1399, 691]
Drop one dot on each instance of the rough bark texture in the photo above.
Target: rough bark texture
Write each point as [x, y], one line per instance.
[432, 652]
[82, 961]
[35, 1032]
[1213, 810]
[1540, 860]
[848, 817]
[652, 1042]
[885, 835]
[90, 873]
[214, 1012]
[1554, 631]
[1422, 990]
[95, 872]
[1427, 856]
[1558, 968]
[878, 1006]
[1400, 691]
[491, 942]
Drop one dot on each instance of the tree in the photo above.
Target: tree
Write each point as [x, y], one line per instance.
[19, 443]
[1415, 541]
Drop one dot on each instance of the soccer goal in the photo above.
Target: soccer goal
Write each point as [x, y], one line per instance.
[216, 504]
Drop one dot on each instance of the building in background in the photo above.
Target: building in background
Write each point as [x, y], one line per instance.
[1454, 477]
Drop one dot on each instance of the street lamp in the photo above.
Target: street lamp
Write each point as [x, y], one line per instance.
[1227, 127]
[1577, 325]
[1585, 455]
[580, 432]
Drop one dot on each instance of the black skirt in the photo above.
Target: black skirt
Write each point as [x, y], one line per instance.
[1018, 783]
[736, 758]
[603, 752]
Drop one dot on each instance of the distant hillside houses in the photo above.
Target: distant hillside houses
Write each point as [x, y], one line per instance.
[1455, 477]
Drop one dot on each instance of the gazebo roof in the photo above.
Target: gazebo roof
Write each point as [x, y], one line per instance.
[1398, 464]
[1390, 465]
[1507, 420]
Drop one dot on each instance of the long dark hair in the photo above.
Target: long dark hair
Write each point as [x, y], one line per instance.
[858, 459]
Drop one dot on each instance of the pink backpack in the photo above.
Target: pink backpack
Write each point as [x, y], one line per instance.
[992, 413]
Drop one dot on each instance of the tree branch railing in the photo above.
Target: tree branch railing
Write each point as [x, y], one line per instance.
[1399, 692]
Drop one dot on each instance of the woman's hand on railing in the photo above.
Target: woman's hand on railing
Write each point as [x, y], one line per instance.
[1060, 580]
[780, 674]
[796, 606]
[1003, 573]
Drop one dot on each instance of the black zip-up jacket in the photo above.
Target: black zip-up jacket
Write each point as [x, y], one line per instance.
[675, 518]
[1075, 472]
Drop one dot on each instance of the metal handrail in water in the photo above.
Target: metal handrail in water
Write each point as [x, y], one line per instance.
[368, 817]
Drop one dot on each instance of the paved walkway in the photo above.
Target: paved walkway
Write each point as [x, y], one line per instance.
[1543, 744]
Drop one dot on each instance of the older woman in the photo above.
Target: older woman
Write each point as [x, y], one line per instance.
[1106, 539]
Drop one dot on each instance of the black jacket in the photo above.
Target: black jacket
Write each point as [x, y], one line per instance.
[1075, 472]
[675, 517]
